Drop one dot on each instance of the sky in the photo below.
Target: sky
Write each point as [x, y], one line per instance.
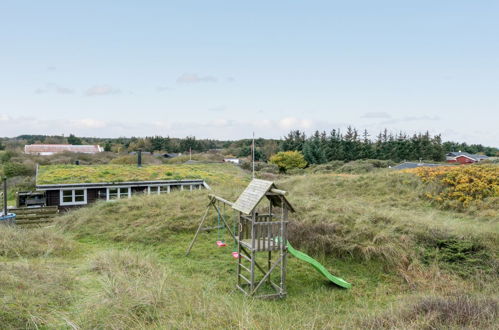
[225, 69]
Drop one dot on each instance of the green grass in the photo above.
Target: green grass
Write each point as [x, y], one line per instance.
[65, 174]
[123, 265]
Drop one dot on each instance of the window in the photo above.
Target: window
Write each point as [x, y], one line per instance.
[73, 197]
[156, 190]
[153, 190]
[118, 193]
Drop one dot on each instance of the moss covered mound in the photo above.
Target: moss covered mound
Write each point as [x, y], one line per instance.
[67, 174]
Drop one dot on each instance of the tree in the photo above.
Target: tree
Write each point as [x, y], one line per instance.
[74, 140]
[189, 143]
[294, 141]
[2, 147]
[313, 149]
[287, 160]
[108, 146]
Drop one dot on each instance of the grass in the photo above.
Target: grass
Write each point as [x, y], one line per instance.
[437, 312]
[27, 243]
[65, 174]
[123, 265]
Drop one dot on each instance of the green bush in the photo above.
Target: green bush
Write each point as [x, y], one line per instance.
[16, 169]
[7, 155]
[287, 160]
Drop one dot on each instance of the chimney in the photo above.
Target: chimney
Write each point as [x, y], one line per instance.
[139, 158]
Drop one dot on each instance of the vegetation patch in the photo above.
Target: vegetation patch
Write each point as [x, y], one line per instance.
[65, 174]
[437, 312]
[460, 186]
[20, 242]
[134, 292]
[34, 295]
[461, 256]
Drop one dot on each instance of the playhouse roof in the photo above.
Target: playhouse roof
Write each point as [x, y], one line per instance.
[254, 193]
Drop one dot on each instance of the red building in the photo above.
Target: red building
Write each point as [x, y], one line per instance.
[464, 157]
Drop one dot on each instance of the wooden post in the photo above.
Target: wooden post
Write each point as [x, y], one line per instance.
[239, 232]
[253, 253]
[281, 247]
[199, 228]
[5, 206]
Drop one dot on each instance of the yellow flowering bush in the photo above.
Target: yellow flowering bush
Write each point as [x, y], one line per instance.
[460, 185]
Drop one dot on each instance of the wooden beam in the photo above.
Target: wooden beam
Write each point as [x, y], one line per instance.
[278, 191]
[212, 197]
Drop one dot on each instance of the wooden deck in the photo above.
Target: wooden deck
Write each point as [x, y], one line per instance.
[35, 215]
[262, 244]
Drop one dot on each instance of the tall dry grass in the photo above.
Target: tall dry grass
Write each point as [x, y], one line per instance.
[459, 311]
[26, 243]
[34, 295]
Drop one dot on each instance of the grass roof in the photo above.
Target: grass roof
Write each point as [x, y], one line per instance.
[67, 174]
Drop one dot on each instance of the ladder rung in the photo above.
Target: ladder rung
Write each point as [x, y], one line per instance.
[245, 257]
[245, 268]
[244, 278]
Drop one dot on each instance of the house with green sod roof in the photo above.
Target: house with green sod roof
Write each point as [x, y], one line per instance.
[67, 186]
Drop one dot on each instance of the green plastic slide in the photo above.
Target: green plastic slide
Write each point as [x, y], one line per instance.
[320, 268]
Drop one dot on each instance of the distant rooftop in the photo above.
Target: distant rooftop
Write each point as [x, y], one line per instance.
[49, 149]
[455, 154]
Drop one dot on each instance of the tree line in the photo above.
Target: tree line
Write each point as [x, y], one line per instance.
[322, 147]
[318, 148]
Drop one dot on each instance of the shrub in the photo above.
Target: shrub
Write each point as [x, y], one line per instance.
[7, 155]
[460, 186]
[287, 160]
[16, 169]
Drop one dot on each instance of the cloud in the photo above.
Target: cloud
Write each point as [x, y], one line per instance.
[89, 123]
[100, 90]
[376, 115]
[219, 108]
[231, 79]
[4, 117]
[194, 78]
[51, 68]
[410, 119]
[163, 88]
[64, 90]
[294, 123]
[54, 88]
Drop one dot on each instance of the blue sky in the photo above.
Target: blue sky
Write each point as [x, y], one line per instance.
[223, 69]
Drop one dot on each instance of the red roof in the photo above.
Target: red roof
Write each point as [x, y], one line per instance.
[55, 148]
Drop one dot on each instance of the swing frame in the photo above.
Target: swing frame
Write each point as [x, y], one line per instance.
[256, 233]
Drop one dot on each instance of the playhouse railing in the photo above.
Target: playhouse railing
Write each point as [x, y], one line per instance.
[264, 235]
